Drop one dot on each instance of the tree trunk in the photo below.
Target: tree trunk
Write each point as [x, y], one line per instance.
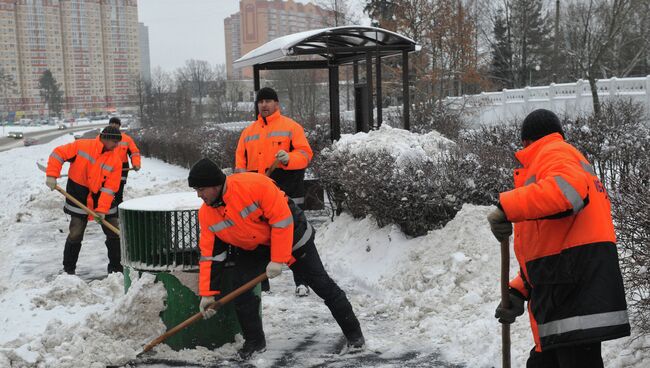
[594, 94]
[556, 41]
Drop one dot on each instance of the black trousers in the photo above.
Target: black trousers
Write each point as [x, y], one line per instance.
[249, 264]
[75, 237]
[579, 356]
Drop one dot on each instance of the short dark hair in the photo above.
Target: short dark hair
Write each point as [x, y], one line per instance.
[115, 120]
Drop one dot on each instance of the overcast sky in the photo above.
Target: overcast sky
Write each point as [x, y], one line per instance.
[180, 30]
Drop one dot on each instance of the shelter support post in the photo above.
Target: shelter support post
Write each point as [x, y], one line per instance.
[406, 110]
[371, 115]
[379, 97]
[335, 113]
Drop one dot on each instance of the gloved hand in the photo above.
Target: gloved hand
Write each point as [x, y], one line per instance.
[100, 217]
[508, 315]
[136, 167]
[273, 269]
[203, 306]
[50, 181]
[282, 156]
[499, 224]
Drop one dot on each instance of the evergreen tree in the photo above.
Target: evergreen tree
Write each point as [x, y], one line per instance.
[501, 65]
[382, 13]
[51, 93]
[531, 42]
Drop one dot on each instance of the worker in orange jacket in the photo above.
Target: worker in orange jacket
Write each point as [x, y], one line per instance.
[265, 230]
[566, 248]
[126, 149]
[93, 179]
[276, 137]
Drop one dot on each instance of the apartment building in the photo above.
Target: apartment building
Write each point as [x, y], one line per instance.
[90, 46]
[260, 21]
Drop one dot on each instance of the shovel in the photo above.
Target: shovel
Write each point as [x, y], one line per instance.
[505, 301]
[198, 316]
[88, 210]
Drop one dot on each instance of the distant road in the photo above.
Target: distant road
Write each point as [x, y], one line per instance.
[43, 136]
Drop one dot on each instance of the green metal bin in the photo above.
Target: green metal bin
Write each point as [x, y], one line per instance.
[160, 235]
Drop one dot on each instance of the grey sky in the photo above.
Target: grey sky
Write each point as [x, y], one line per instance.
[185, 29]
[180, 30]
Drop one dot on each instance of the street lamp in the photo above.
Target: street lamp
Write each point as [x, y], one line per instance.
[530, 74]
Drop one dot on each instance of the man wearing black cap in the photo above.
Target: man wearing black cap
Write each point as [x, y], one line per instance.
[266, 231]
[125, 149]
[274, 137]
[566, 248]
[93, 179]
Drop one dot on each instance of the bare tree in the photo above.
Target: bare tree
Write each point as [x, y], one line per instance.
[341, 13]
[197, 74]
[591, 28]
[161, 87]
[142, 95]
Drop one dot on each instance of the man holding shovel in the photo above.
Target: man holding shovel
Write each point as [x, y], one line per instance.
[566, 247]
[93, 179]
[266, 231]
[275, 137]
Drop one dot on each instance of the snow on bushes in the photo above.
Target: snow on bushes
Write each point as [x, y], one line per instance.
[418, 181]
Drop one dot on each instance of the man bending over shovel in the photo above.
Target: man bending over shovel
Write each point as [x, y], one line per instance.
[265, 229]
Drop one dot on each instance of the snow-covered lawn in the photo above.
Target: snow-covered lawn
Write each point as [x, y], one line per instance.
[426, 301]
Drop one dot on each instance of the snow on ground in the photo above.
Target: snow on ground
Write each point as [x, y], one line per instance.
[422, 302]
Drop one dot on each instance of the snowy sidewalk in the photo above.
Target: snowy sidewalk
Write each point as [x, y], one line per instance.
[422, 302]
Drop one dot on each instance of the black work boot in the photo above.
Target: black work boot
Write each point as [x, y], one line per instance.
[114, 255]
[344, 315]
[250, 321]
[70, 256]
[251, 347]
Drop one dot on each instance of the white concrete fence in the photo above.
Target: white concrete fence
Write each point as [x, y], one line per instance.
[564, 99]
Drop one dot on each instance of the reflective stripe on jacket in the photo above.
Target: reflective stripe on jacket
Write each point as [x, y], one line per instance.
[127, 148]
[253, 212]
[565, 245]
[90, 168]
[259, 143]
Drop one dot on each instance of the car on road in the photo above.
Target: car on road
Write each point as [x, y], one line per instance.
[62, 126]
[16, 135]
[30, 141]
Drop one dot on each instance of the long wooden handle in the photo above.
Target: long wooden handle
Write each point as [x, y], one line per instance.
[198, 316]
[505, 301]
[88, 210]
[271, 168]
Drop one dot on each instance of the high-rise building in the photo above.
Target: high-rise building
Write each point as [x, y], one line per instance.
[145, 61]
[260, 21]
[90, 46]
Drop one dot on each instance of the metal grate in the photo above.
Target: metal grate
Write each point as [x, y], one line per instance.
[160, 240]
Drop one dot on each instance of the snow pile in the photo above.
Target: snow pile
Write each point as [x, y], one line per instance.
[93, 325]
[405, 147]
[440, 289]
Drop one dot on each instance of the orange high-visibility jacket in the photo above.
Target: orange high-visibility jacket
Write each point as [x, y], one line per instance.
[564, 242]
[127, 148]
[253, 212]
[260, 141]
[91, 172]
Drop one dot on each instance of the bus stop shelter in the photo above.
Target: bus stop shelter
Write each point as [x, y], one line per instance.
[329, 48]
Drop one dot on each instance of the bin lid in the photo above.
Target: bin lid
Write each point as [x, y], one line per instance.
[164, 202]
